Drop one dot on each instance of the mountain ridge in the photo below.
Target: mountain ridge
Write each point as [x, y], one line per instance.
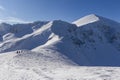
[82, 43]
[93, 18]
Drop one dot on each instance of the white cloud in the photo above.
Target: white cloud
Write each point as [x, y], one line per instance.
[10, 19]
[13, 20]
[2, 8]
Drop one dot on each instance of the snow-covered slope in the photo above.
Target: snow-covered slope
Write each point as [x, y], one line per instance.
[92, 18]
[37, 38]
[99, 40]
[95, 41]
[55, 50]
[86, 20]
[16, 34]
[27, 65]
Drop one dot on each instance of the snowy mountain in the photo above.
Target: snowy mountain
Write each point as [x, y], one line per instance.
[42, 49]
[99, 40]
[88, 43]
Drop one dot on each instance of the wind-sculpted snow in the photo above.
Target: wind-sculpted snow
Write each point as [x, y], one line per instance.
[86, 20]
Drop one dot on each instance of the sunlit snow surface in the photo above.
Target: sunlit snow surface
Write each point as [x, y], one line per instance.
[86, 20]
[36, 66]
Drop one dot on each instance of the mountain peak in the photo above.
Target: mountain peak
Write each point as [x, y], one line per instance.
[87, 19]
[92, 18]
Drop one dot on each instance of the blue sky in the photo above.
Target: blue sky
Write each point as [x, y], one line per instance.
[68, 10]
